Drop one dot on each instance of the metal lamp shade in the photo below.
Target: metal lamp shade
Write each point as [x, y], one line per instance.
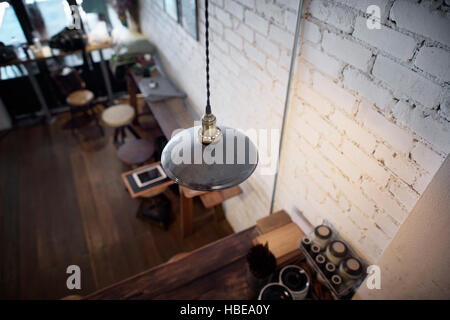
[220, 165]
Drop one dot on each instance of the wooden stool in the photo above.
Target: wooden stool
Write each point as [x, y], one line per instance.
[120, 118]
[79, 100]
[136, 152]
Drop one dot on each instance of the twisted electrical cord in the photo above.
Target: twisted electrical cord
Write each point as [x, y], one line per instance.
[208, 93]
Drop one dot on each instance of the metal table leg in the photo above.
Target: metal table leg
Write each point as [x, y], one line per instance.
[105, 75]
[37, 90]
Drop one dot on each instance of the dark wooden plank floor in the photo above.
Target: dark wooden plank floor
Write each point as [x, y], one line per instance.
[62, 203]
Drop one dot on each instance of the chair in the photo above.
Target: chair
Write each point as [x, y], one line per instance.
[78, 98]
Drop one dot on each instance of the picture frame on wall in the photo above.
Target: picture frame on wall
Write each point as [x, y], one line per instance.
[171, 8]
[188, 17]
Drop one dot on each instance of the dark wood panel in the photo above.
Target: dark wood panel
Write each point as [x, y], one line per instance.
[227, 283]
[168, 277]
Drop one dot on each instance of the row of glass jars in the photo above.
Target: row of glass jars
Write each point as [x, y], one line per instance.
[332, 257]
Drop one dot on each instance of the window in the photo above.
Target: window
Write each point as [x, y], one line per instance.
[10, 29]
[48, 17]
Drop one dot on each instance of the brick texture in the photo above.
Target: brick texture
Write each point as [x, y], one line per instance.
[368, 125]
[386, 94]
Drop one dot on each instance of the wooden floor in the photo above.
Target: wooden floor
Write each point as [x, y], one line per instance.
[62, 203]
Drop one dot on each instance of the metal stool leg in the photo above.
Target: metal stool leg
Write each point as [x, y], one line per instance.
[116, 135]
[122, 135]
[97, 123]
[135, 134]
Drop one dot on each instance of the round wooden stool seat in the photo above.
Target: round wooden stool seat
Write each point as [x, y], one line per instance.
[136, 152]
[80, 98]
[118, 116]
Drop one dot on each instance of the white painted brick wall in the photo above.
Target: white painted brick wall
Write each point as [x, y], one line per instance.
[366, 87]
[388, 40]
[404, 194]
[386, 93]
[256, 22]
[235, 9]
[369, 122]
[426, 124]
[366, 163]
[311, 32]
[422, 20]
[384, 128]
[346, 50]
[322, 61]
[280, 36]
[396, 163]
[426, 158]
[335, 94]
[407, 83]
[224, 17]
[354, 131]
[435, 61]
[335, 16]
[384, 201]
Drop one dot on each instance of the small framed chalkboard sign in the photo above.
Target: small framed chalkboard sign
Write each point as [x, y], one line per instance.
[171, 8]
[188, 17]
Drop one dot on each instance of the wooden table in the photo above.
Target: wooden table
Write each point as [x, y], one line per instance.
[215, 272]
[57, 54]
[209, 199]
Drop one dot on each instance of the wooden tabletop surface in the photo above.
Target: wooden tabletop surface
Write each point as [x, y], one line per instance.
[171, 114]
[57, 53]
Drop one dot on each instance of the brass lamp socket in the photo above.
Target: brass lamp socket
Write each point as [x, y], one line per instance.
[209, 133]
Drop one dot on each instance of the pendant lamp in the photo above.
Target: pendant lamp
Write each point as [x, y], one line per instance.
[208, 157]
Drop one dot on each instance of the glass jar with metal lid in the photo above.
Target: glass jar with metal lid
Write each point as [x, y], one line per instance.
[336, 281]
[322, 236]
[320, 260]
[350, 269]
[306, 242]
[336, 251]
[330, 269]
[315, 250]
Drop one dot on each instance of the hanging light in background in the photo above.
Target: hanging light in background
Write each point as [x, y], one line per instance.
[209, 157]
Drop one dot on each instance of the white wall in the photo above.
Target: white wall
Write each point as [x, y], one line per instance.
[415, 264]
[369, 123]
